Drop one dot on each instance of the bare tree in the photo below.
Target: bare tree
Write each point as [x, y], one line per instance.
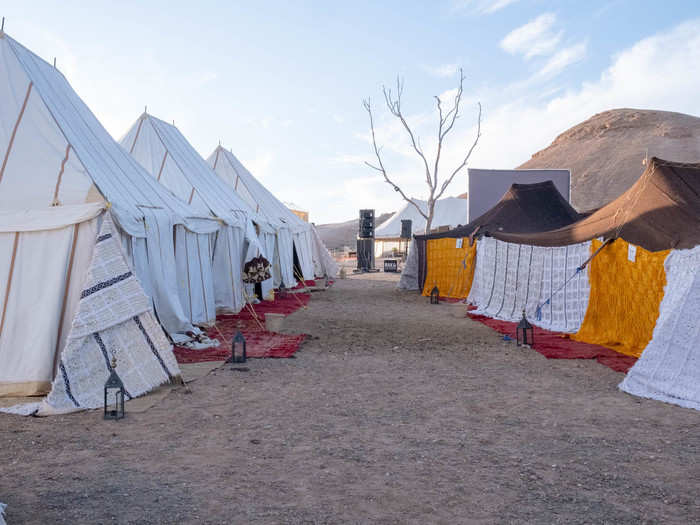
[445, 125]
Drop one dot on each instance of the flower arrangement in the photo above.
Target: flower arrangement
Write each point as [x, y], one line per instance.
[256, 270]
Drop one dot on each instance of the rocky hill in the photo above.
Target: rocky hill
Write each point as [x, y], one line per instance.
[605, 152]
[339, 234]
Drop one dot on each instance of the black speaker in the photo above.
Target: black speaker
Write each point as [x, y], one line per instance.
[406, 225]
[365, 254]
[366, 226]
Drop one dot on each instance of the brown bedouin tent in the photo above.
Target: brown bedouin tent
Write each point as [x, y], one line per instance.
[523, 209]
[660, 211]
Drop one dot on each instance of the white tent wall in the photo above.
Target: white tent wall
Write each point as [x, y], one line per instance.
[167, 155]
[230, 169]
[510, 278]
[269, 240]
[194, 272]
[450, 211]
[669, 368]
[60, 155]
[35, 144]
[409, 274]
[303, 244]
[285, 251]
[324, 264]
[228, 260]
[42, 268]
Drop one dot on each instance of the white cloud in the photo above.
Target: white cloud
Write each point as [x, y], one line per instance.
[270, 122]
[482, 6]
[443, 70]
[562, 59]
[535, 38]
[261, 164]
[496, 5]
[204, 78]
[353, 160]
[659, 72]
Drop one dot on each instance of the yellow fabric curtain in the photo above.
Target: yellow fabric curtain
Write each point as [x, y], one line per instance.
[627, 285]
[449, 268]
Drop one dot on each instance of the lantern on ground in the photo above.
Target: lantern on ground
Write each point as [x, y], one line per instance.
[282, 291]
[524, 334]
[237, 342]
[435, 295]
[114, 390]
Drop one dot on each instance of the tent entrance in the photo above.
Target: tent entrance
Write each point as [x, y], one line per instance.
[297, 265]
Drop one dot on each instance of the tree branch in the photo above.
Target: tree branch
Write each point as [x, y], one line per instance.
[368, 106]
[466, 158]
[446, 123]
[394, 107]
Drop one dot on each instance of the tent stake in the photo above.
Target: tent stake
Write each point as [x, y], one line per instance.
[303, 281]
[252, 310]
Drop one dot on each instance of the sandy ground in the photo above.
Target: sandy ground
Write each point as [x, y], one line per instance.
[395, 412]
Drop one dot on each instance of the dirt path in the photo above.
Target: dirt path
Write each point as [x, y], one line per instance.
[396, 412]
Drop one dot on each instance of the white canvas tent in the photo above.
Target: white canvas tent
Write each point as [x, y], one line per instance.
[324, 264]
[450, 211]
[51, 134]
[113, 324]
[60, 169]
[170, 159]
[293, 234]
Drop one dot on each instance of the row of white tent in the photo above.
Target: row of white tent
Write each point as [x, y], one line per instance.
[184, 227]
[448, 213]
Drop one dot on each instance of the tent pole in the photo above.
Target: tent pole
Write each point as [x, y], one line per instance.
[55, 201]
[14, 130]
[56, 353]
[9, 282]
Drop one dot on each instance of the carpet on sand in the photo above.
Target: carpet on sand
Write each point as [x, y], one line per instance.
[305, 284]
[259, 342]
[557, 345]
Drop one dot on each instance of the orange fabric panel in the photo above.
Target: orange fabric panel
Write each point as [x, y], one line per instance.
[449, 268]
[625, 297]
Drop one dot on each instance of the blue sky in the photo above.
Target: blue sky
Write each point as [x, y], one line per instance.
[282, 83]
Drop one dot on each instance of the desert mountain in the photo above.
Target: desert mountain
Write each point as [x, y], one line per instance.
[339, 234]
[605, 152]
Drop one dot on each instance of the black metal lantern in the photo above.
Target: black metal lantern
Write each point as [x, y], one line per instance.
[435, 295]
[524, 334]
[238, 339]
[114, 389]
[282, 290]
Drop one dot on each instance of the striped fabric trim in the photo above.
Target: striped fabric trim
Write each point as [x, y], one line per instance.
[152, 346]
[66, 383]
[493, 281]
[104, 284]
[101, 344]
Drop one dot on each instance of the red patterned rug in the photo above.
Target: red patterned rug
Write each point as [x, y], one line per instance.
[305, 284]
[259, 342]
[557, 345]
